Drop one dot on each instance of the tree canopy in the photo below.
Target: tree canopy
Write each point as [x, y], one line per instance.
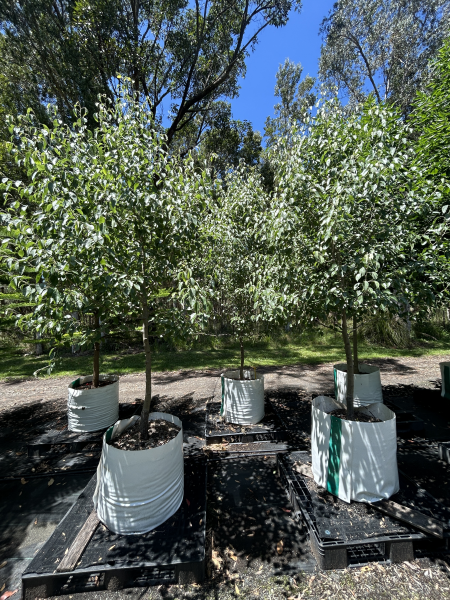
[381, 47]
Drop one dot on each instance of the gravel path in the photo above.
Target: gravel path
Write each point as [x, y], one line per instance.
[205, 384]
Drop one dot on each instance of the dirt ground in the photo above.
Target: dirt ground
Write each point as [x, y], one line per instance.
[205, 384]
[231, 575]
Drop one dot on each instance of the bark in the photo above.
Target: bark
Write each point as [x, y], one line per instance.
[148, 374]
[241, 374]
[38, 345]
[96, 378]
[355, 346]
[350, 369]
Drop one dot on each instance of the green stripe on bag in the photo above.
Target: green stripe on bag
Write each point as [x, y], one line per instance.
[447, 382]
[334, 456]
[335, 384]
[223, 394]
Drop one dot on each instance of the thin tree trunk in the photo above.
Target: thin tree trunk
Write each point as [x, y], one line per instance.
[350, 369]
[355, 346]
[96, 378]
[38, 345]
[148, 374]
[241, 374]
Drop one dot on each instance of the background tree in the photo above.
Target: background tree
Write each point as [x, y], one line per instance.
[381, 47]
[296, 95]
[181, 54]
[351, 218]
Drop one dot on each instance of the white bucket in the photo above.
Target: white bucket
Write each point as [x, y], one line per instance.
[445, 374]
[137, 490]
[94, 409]
[352, 460]
[367, 388]
[242, 400]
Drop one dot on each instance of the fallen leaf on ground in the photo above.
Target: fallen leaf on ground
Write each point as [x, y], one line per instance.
[311, 580]
[3, 587]
[280, 547]
[216, 562]
[51, 482]
[260, 568]
[22, 481]
[7, 595]
[113, 546]
[236, 589]
[366, 568]
[187, 502]
[4, 563]
[233, 556]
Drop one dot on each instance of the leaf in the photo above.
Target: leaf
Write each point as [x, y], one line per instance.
[51, 482]
[4, 563]
[113, 546]
[187, 502]
[280, 547]
[236, 589]
[232, 556]
[3, 587]
[22, 481]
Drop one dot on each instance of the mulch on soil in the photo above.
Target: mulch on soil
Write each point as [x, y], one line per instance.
[90, 386]
[358, 416]
[159, 431]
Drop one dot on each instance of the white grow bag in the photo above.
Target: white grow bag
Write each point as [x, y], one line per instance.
[367, 388]
[354, 461]
[242, 400]
[445, 374]
[137, 490]
[95, 409]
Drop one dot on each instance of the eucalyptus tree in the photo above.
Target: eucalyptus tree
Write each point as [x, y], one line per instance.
[381, 47]
[297, 97]
[180, 55]
[349, 224]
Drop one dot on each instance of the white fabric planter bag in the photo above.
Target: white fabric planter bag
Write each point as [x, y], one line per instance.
[367, 385]
[92, 410]
[137, 490]
[242, 400]
[354, 461]
[445, 374]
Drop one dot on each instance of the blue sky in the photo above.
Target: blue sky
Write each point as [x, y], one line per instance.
[299, 41]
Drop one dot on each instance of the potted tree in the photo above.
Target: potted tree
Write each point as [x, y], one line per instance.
[140, 214]
[51, 229]
[236, 266]
[353, 202]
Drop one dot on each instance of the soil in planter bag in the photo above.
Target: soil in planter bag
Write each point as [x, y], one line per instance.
[445, 374]
[352, 460]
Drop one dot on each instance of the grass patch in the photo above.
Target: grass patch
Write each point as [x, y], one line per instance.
[310, 348]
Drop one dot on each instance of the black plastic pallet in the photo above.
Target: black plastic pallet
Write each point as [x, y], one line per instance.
[270, 429]
[172, 553]
[444, 451]
[75, 442]
[371, 537]
[407, 422]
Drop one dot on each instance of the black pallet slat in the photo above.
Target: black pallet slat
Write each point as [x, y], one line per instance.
[340, 538]
[407, 422]
[71, 441]
[270, 429]
[174, 552]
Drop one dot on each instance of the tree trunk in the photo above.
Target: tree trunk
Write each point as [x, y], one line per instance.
[241, 374]
[355, 346]
[96, 378]
[38, 345]
[148, 374]
[350, 369]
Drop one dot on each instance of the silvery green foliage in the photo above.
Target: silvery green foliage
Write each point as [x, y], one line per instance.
[357, 227]
[296, 99]
[237, 251]
[381, 47]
